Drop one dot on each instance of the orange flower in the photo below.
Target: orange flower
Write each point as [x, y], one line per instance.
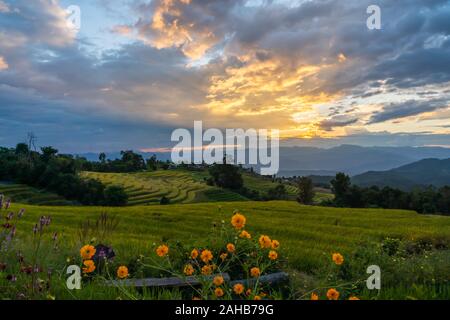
[206, 270]
[332, 294]
[231, 248]
[89, 266]
[87, 252]
[265, 242]
[353, 298]
[238, 221]
[238, 288]
[206, 256]
[218, 281]
[122, 272]
[245, 235]
[314, 296]
[194, 254]
[162, 250]
[188, 270]
[338, 258]
[273, 255]
[248, 292]
[255, 272]
[257, 298]
[218, 292]
[223, 256]
[275, 244]
[196, 298]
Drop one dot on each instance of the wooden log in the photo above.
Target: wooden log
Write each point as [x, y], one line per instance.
[175, 282]
[265, 279]
[164, 282]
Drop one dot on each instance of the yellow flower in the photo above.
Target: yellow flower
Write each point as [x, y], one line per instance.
[265, 242]
[122, 272]
[188, 270]
[275, 244]
[314, 296]
[218, 281]
[353, 298]
[194, 254]
[257, 298]
[218, 292]
[255, 272]
[338, 258]
[238, 288]
[87, 252]
[245, 235]
[231, 248]
[206, 256]
[162, 250]
[89, 266]
[332, 294]
[238, 221]
[223, 256]
[273, 255]
[206, 270]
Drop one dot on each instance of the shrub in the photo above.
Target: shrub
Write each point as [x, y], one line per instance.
[115, 196]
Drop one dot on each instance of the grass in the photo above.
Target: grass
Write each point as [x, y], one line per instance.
[309, 234]
[183, 186]
[25, 194]
[179, 186]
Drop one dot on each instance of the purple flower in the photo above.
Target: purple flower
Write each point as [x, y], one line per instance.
[7, 204]
[10, 216]
[35, 229]
[21, 213]
[11, 277]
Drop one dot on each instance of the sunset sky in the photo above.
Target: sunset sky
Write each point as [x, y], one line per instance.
[138, 69]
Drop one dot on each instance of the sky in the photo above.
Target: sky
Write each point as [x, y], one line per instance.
[136, 70]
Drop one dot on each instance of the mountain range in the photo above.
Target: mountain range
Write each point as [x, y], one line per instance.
[418, 174]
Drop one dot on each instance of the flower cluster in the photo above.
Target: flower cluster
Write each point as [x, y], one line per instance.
[86, 253]
[240, 257]
[333, 293]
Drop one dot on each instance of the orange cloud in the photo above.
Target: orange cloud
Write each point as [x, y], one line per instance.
[3, 64]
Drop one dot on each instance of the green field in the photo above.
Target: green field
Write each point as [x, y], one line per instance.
[25, 194]
[144, 188]
[183, 186]
[308, 235]
[307, 232]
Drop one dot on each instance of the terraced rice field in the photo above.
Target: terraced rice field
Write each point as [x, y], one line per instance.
[25, 194]
[146, 188]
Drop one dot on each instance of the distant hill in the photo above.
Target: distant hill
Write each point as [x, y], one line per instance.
[418, 174]
[351, 159]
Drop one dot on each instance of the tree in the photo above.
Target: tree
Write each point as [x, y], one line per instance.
[152, 163]
[305, 190]
[277, 193]
[340, 186]
[226, 176]
[115, 196]
[102, 157]
[48, 153]
[22, 149]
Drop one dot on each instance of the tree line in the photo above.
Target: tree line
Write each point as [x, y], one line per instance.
[58, 173]
[422, 200]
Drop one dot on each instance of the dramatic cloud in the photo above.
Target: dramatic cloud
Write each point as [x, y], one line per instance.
[407, 109]
[3, 64]
[309, 68]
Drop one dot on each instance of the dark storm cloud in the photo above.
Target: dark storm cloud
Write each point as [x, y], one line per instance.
[52, 82]
[407, 109]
